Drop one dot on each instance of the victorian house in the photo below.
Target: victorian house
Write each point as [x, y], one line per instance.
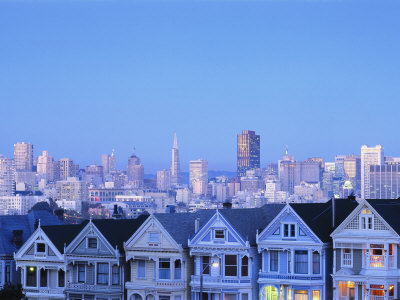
[224, 250]
[14, 232]
[366, 252]
[296, 250]
[158, 257]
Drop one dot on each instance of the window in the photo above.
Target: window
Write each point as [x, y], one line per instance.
[289, 230]
[205, 265]
[300, 295]
[43, 278]
[219, 234]
[61, 278]
[81, 273]
[273, 261]
[316, 295]
[102, 273]
[164, 266]
[115, 275]
[31, 276]
[301, 262]
[178, 269]
[230, 265]
[289, 262]
[92, 243]
[40, 248]
[376, 256]
[245, 296]
[245, 266]
[347, 258]
[141, 269]
[366, 222]
[316, 260]
[178, 298]
[8, 274]
[391, 291]
[154, 237]
[230, 297]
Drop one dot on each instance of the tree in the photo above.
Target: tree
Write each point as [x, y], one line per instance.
[12, 292]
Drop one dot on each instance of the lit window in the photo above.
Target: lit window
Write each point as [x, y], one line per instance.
[316, 295]
[219, 234]
[289, 230]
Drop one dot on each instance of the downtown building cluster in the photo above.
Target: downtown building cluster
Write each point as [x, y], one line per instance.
[341, 249]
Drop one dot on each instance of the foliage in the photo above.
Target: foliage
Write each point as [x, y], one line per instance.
[12, 292]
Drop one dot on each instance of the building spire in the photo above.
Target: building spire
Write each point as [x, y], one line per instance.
[287, 150]
[175, 141]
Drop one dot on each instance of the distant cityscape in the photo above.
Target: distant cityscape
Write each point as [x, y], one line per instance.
[94, 190]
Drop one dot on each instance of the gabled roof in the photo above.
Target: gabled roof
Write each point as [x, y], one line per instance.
[318, 216]
[388, 209]
[115, 231]
[181, 226]
[26, 223]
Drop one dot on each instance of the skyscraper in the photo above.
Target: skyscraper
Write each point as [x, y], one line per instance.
[384, 181]
[135, 171]
[198, 176]
[23, 156]
[109, 163]
[67, 168]
[7, 176]
[163, 180]
[45, 166]
[175, 165]
[248, 152]
[369, 156]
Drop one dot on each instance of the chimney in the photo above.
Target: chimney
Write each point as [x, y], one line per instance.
[170, 209]
[333, 212]
[196, 225]
[17, 238]
[227, 205]
[117, 213]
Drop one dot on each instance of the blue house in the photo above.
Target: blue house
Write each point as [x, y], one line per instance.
[296, 250]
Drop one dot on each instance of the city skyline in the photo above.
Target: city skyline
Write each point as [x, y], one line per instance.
[127, 75]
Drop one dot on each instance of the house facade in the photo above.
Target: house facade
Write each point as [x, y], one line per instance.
[159, 265]
[366, 264]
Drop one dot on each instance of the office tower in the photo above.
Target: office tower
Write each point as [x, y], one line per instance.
[286, 169]
[369, 156]
[67, 168]
[248, 152]
[109, 163]
[309, 171]
[45, 166]
[175, 165]
[352, 171]
[23, 156]
[135, 171]
[7, 176]
[163, 180]
[339, 165]
[94, 175]
[384, 181]
[198, 176]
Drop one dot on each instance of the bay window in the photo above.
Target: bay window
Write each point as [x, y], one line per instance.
[164, 268]
[230, 265]
[102, 273]
[301, 261]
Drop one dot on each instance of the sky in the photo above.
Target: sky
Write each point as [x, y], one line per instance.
[81, 77]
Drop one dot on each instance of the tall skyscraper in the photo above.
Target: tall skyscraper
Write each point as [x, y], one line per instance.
[198, 176]
[163, 180]
[248, 152]
[45, 166]
[67, 168]
[384, 181]
[369, 156]
[23, 156]
[286, 169]
[109, 163]
[135, 171]
[175, 165]
[7, 176]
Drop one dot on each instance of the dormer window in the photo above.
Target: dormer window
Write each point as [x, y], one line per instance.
[219, 234]
[92, 243]
[40, 248]
[289, 230]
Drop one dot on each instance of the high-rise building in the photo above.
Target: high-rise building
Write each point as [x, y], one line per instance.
[352, 171]
[67, 168]
[286, 169]
[109, 163]
[45, 166]
[384, 181]
[175, 165]
[248, 152]
[7, 176]
[369, 156]
[135, 171]
[94, 175]
[163, 180]
[23, 156]
[198, 176]
[71, 190]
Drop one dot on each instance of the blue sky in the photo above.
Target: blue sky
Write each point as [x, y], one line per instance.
[79, 78]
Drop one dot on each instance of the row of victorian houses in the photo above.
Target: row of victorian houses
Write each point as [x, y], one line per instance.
[342, 249]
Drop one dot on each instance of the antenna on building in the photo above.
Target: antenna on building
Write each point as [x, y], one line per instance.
[112, 152]
[287, 150]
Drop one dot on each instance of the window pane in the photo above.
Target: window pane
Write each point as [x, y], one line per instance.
[205, 264]
[141, 268]
[102, 273]
[61, 278]
[273, 261]
[301, 262]
[316, 262]
[81, 273]
[230, 265]
[43, 278]
[245, 266]
[164, 268]
[177, 269]
[31, 274]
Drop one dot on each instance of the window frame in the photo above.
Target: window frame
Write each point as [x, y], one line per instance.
[342, 258]
[176, 269]
[164, 260]
[79, 272]
[270, 261]
[40, 252]
[138, 267]
[102, 274]
[223, 233]
[291, 230]
[244, 266]
[35, 275]
[115, 275]
[230, 266]
[149, 237]
[88, 245]
[296, 262]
